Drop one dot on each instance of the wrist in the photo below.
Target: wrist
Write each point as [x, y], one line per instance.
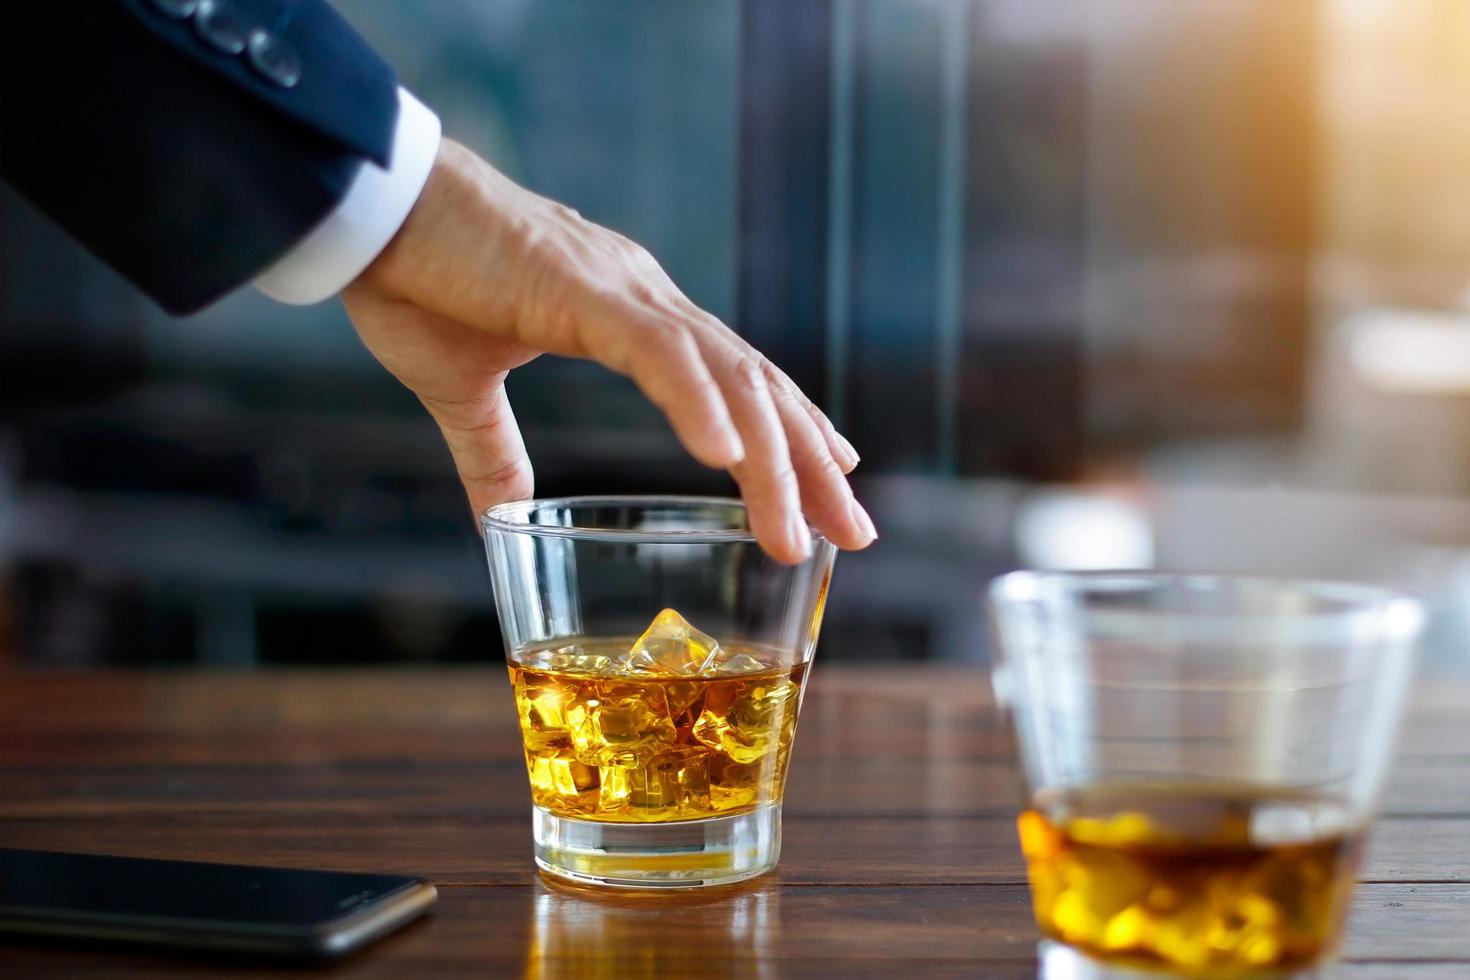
[454, 252]
[389, 273]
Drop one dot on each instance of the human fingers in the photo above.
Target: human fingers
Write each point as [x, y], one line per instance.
[826, 497]
[840, 449]
[823, 491]
[767, 476]
[663, 360]
[488, 451]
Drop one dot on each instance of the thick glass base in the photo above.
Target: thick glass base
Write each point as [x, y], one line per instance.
[686, 854]
[1061, 962]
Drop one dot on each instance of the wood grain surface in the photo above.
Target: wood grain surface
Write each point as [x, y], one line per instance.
[900, 856]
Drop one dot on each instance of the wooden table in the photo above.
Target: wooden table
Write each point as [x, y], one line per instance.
[900, 856]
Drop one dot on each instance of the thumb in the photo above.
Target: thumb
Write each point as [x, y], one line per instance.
[487, 448]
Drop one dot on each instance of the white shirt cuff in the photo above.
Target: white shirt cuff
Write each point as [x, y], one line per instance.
[348, 239]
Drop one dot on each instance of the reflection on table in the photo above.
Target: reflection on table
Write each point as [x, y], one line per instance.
[727, 931]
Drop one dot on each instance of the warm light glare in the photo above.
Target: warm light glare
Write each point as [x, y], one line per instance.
[1411, 353]
[1076, 531]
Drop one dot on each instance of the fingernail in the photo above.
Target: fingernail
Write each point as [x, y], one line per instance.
[798, 536]
[862, 520]
[852, 455]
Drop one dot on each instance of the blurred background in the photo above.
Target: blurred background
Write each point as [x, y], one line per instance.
[1089, 283]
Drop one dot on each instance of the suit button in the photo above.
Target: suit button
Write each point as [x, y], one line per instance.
[175, 8]
[274, 59]
[221, 26]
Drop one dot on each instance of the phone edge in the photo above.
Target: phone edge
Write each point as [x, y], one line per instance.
[332, 939]
[339, 937]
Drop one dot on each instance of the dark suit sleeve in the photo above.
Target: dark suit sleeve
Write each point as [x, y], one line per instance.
[183, 163]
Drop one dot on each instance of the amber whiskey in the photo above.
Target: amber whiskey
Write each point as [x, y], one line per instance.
[684, 736]
[1204, 881]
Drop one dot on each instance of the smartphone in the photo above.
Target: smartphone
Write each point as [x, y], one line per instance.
[225, 907]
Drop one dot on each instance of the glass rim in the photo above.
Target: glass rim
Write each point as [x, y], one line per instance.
[1395, 614]
[510, 517]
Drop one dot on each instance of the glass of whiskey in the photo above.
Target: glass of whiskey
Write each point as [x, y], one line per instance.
[1202, 756]
[658, 659]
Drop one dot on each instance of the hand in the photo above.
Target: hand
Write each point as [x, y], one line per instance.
[484, 276]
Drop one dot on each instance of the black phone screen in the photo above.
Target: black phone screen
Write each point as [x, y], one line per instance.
[48, 884]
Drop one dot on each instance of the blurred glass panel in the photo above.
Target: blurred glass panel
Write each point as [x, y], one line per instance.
[626, 112]
[1201, 156]
[248, 483]
[1126, 243]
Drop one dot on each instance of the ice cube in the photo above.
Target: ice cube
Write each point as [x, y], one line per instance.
[733, 785]
[670, 646]
[570, 777]
[575, 660]
[621, 725]
[755, 723]
[541, 702]
[684, 696]
[725, 663]
[770, 705]
[564, 781]
[674, 781]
